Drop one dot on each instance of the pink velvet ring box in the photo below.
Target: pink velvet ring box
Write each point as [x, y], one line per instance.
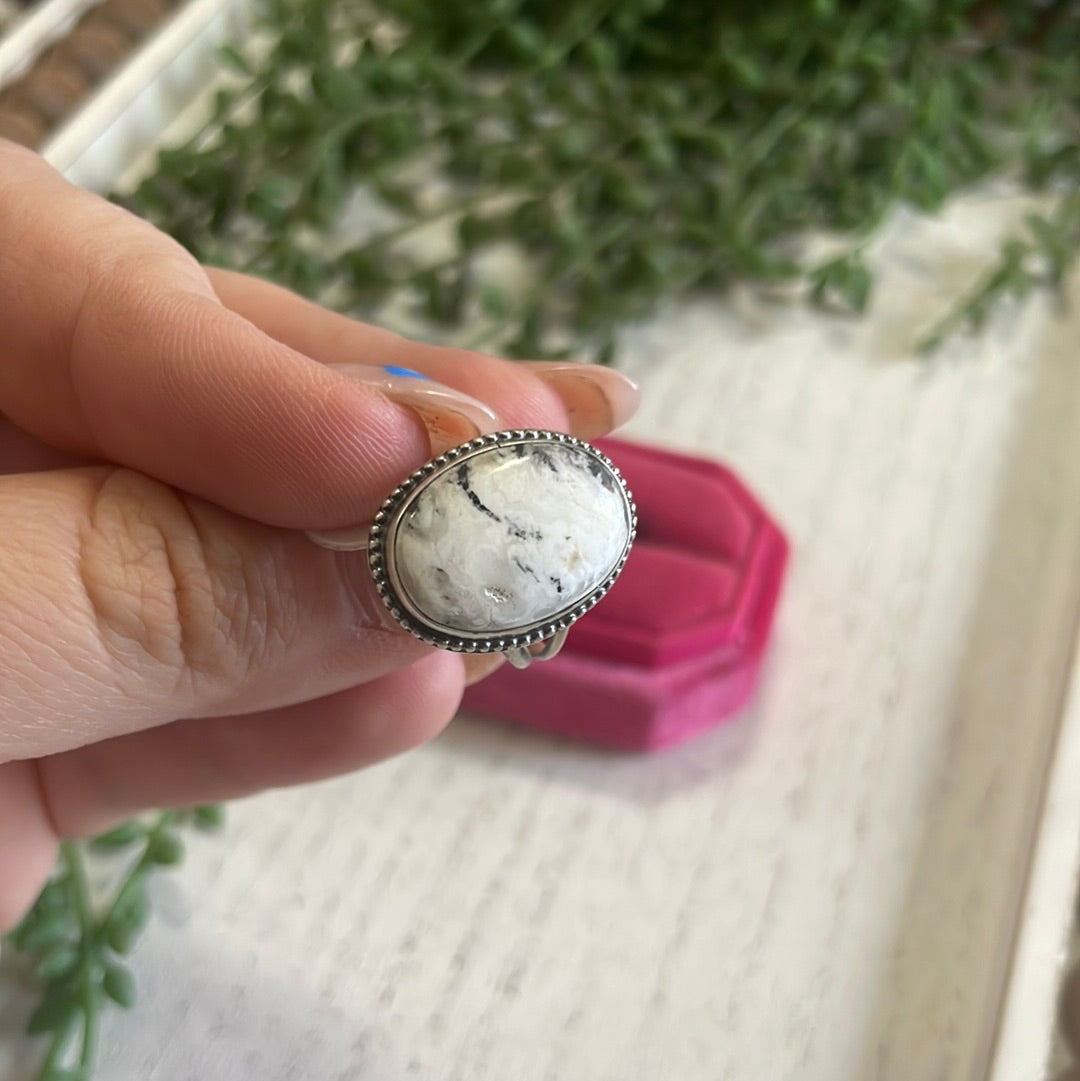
[676, 646]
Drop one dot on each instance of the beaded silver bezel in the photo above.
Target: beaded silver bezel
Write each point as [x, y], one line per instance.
[384, 571]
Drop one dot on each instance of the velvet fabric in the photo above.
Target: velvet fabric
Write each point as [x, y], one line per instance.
[676, 646]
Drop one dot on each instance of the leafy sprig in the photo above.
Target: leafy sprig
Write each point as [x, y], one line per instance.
[1040, 257]
[625, 151]
[76, 946]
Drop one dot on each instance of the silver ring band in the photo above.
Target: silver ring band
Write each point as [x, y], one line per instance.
[502, 543]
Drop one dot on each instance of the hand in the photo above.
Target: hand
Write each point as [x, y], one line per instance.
[170, 636]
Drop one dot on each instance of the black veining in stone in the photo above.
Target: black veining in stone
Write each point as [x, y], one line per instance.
[474, 499]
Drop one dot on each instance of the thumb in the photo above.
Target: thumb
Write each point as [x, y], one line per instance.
[129, 604]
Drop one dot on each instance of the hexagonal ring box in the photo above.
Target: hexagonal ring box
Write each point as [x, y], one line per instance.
[677, 646]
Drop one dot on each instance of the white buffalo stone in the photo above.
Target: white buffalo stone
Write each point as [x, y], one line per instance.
[511, 537]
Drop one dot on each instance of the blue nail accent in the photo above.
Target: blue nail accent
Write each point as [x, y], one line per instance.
[408, 373]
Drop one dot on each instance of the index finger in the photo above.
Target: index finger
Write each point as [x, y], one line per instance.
[115, 346]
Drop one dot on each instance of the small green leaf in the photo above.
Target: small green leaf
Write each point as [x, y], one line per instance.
[53, 1012]
[120, 837]
[270, 200]
[842, 284]
[51, 908]
[570, 233]
[637, 198]
[366, 269]
[54, 897]
[747, 73]
[396, 133]
[125, 924]
[235, 60]
[671, 97]
[118, 984]
[605, 355]
[445, 294]
[515, 166]
[494, 300]
[472, 231]
[58, 961]
[334, 88]
[525, 39]
[600, 53]
[400, 197]
[59, 1073]
[659, 152]
[210, 817]
[401, 71]
[165, 849]
[527, 343]
[532, 218]
[928, 176]
[50, 930]
[572, 144]
[222, 105]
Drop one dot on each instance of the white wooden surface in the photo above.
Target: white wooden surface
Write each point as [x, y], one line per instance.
[1031, 1008]
[827, 889]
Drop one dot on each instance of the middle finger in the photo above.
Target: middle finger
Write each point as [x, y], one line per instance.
[583, 399]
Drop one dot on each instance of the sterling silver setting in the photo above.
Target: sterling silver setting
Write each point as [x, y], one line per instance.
[518, 643]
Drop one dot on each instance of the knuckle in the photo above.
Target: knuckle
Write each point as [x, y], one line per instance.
[172, 602]
[125, 264]
[124, 291]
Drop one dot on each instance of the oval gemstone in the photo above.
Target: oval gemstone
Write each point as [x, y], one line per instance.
[512, 536]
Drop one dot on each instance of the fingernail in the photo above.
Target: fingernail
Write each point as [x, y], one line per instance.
[451, 418]
[596, 399]
[479, 666]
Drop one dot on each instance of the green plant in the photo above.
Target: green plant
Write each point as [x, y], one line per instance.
[76, 945]
[626, 151]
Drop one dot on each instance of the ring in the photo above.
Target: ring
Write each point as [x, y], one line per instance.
[500, 544]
